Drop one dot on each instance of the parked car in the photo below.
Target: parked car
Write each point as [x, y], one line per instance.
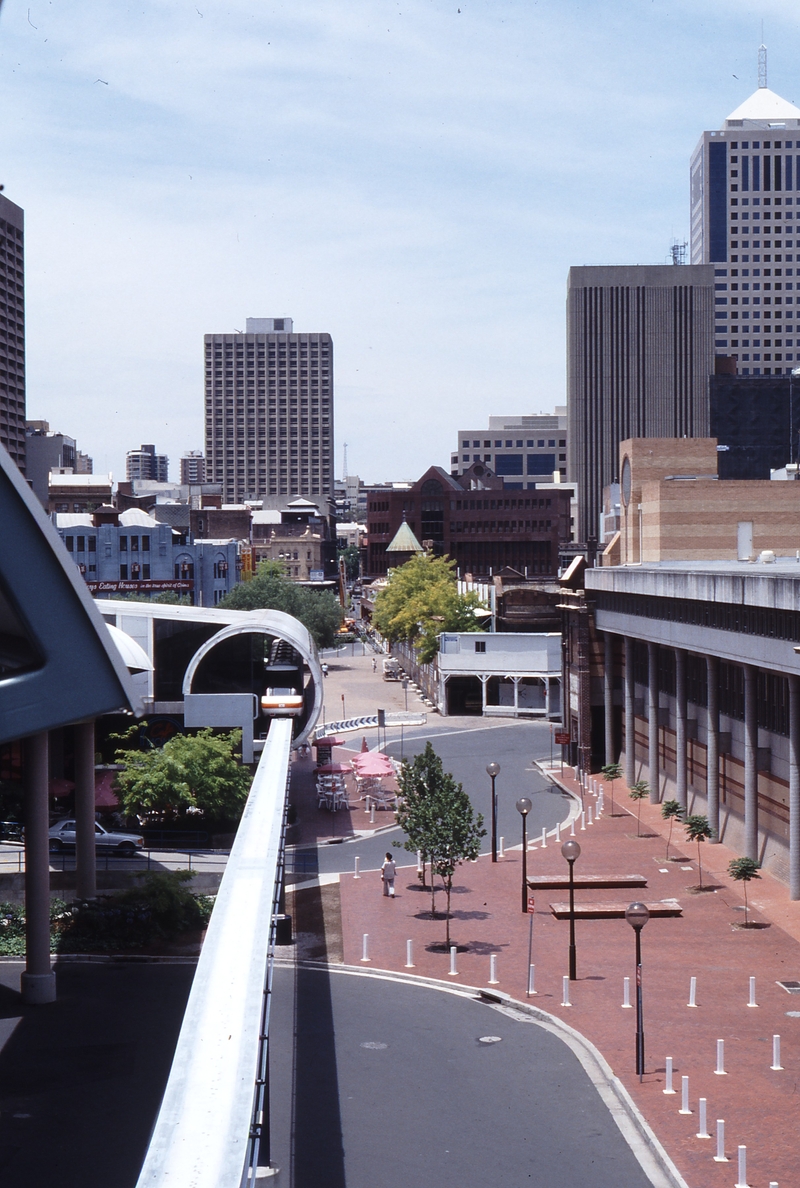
[62, 837]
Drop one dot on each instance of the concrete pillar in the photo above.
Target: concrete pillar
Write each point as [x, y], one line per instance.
[630, 715]
[483, 680]
[608, 696]
[652, 722]
[680, 728]
[85, 853]
[38, 982]
[548, 702]
[516, 681]
[794, 787]
[712, 745]
[750, 762]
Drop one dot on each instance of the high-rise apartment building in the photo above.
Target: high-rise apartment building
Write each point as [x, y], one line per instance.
[640, 349]
[145, 463]
[745, 193]
[12, 330]
[269, 411]
[521, 450]
[45, 452]
[193, 469]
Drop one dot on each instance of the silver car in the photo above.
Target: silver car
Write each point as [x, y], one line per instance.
[62, 837]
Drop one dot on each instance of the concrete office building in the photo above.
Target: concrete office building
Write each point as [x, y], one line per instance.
[12, 330]
[640, 349]
[745, 188]
[46, 451]
[193, 469]
[269, 411]
[522, 450]
[145, 463]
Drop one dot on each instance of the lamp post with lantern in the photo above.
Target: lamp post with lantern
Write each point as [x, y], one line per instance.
[493, 771]
[637, 916]
[572, 851]
[524, 806]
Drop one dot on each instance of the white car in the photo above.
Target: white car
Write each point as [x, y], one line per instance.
[62, 837]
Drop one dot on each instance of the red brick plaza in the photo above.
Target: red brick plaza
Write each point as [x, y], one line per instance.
[707, 941]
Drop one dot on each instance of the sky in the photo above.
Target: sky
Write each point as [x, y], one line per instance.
[414, 178]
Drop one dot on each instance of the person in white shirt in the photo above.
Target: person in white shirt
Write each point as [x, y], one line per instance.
[388, 874]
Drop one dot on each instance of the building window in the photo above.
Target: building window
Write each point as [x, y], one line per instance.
[123, 571]
[92, 544]
[145, 544]
[123, 544]
[480, 645]
[69, 541]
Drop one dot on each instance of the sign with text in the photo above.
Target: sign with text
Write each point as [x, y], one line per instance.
[561, 738]
[181, 585]
[531, 903]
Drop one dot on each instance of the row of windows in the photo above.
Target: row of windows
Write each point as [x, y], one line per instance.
[773, 171]
[767, 622]
[531, 444]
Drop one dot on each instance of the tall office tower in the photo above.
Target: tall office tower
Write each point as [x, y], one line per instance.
[46, 451]
[269, 411]
[523, 450]
[745, 186]
[193, 469]
[12, 330]
[145, 463]
[640, 349]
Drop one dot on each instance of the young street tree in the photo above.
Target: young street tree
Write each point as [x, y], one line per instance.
[421, 600]
[672, 811]
[698, 830]
[271, 589]
[438, 819]
[611, 772]
[637, 792]
[743, 870]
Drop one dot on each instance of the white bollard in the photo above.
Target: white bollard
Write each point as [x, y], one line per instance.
[668, 1081]
[583, 819]
[365, 947]
[591, 816]
[531, 979]
[493, 980]
[372, 813]
[741, 1179]
[692, 992]
[502, 847]
[684, 1096]
[558, 833]
[357, 865]
[572, 827]
[776, 1065]
[544, 838]
[409, 954]
[720, 1155]
[701, 1110]
[626, 994]
[752, 1002]
[565, 992]
[453, 970]
[720, 1069]
[419, 861]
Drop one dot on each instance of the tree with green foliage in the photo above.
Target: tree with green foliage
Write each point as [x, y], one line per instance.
[270, 589]
[742, 870]
[352, 561]
[637, 792]
[420, 601]
[672, 811]
[189, 774]
[438, 819]
[698, 829]
[610, 773]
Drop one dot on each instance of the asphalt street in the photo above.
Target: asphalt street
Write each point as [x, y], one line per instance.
[395, 1084]
[466, 746]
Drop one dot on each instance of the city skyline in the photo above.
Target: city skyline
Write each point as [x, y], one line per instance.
[400, 195]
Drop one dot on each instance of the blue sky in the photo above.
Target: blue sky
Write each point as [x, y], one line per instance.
[415, 178]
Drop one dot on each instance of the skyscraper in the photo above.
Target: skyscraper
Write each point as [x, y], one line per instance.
[193, 469]
[269, 411]
[145, 463]
[640, 349]
[12, 330]
[745, 188]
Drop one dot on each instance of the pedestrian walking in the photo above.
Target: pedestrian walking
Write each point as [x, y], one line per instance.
[388, 874]
[374, 664]
[324, 670]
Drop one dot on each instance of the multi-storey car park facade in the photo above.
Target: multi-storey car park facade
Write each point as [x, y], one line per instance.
[269, 411]
[12, 330]
[745, 193]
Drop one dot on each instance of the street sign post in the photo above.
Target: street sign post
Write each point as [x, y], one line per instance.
[562, 739]
[531, 905]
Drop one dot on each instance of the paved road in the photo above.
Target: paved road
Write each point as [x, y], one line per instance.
[466, 745]
[392, 1087]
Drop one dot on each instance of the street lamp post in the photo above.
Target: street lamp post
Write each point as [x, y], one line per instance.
[637, 916]
[572, 851]
[524, 806]
[493, 770]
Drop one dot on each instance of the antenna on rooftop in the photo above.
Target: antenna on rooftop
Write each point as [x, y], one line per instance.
[344, 461]
[762, 60]
[678, 252]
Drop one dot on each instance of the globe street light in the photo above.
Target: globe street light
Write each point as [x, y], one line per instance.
[637, 916]
[493, 770]
[524, 806]
[572, 851]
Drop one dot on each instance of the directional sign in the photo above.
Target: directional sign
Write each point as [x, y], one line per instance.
[531, 903]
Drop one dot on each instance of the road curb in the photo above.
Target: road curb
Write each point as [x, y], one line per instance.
[646, 1147]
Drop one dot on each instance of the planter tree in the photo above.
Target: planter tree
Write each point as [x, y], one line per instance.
[420, 779]
[637, 792]
[672, 811]
[611, 772]
[743, 870]
[698, 829]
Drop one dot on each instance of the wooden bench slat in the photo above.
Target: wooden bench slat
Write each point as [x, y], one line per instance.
[596, 882]
[611, 911]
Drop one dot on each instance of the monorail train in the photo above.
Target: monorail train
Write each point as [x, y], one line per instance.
[283, 696]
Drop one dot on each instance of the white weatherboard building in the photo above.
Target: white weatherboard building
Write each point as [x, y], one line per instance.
[745, 191]
[511, 674]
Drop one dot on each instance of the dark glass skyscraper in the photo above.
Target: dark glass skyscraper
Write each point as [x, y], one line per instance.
[12, 330]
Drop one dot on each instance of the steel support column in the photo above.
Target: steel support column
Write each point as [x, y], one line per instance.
[630, 715]
[38, 981]
[750, 761]
[680, 728]
[712, 745]
[608, 697]
[652, 722]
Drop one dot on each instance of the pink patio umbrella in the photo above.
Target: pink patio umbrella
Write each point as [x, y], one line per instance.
[331, 742]
[373, 763]
[333, 768]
